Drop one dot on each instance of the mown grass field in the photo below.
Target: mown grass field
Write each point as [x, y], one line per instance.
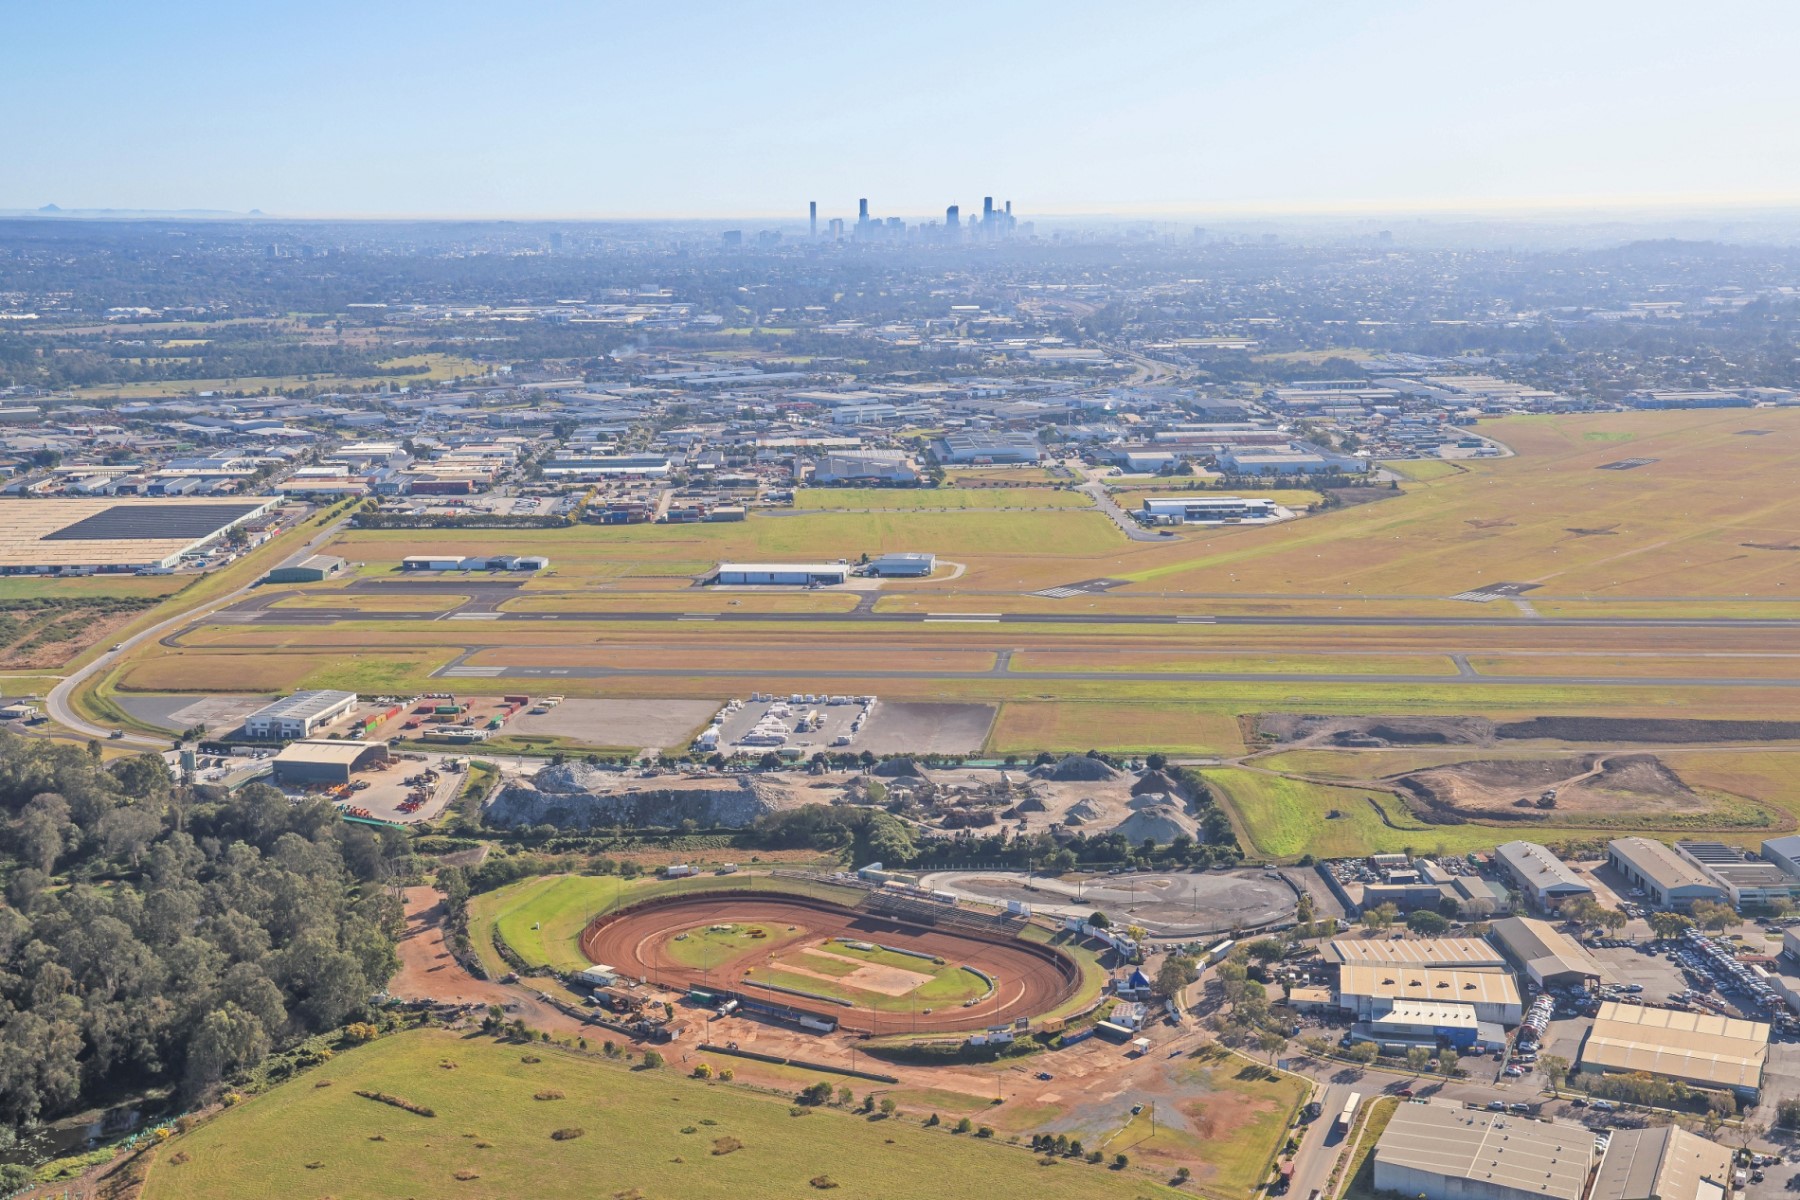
[943, 986]
[1011, 541]
[877, 499]
[1030, 726]
[1709, 518]
[645, 1133]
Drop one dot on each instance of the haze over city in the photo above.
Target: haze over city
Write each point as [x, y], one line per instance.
[740, 110]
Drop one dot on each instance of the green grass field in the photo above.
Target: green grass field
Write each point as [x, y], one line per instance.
[940, 497]
[708, 948]
[942, 986]
[1282, 818]
[645, 1133]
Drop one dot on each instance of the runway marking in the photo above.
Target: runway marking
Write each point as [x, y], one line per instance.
[476, 616]
[976, 618]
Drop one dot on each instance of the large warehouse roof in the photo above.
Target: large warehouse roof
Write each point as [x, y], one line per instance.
[1542, 1158]
[323, 750]
[302, 706]
[1655, 861]
[111, 532]
[1697, 1047]
[1416, 952]
[1428, 984]
[1545, 951]
[1666, 1162]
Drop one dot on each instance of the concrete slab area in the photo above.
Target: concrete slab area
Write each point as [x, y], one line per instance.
[1189, 904]
[179, 713]
[667, 724]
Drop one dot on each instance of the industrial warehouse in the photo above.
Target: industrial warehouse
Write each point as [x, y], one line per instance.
[1699, 1049]
[1204, 510]
[782, 574]
[1441, 1151]
[299, 715]
[85, 536]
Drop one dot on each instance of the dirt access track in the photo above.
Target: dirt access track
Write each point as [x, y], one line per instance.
[1031, 978]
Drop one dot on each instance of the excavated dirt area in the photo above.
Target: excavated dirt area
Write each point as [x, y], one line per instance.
[1326, 732]
[1489, 789]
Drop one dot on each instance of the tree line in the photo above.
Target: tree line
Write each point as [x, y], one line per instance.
[154, 935]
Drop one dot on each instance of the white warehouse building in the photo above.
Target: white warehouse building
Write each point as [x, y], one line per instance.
[1194, 509]
[785, 574]
[298, 715]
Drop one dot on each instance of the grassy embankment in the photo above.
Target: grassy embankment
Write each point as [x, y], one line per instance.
[643, 1133]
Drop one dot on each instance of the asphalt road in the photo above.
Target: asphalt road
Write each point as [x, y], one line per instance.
[57, 702]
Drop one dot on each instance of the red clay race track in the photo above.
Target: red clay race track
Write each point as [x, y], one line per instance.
[1033, 978]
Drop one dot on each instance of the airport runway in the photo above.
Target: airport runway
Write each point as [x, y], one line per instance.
[483, 610]
[458, 668]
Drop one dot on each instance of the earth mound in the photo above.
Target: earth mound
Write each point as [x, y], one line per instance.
[1163, 822]
[1077, 768]
[1156, 781]
[897, 768]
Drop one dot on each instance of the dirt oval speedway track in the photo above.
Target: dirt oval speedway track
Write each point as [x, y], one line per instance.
[1032, 978]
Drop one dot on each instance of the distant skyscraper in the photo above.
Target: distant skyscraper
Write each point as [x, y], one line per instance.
[862, 212]
[953, 217]
[837, 229]
[812, 215]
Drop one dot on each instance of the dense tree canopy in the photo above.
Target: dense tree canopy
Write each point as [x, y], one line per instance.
[154, 934]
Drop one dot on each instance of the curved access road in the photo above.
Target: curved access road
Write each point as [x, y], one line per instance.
[57, 702]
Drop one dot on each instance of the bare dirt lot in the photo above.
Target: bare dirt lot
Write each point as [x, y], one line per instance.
[666, 724]
[1586, 783]
[902, 727]
[1308, 729]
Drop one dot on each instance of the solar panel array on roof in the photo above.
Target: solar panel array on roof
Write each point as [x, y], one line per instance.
[125, 522]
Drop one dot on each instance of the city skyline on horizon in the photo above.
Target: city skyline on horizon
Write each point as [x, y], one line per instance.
[576, 111]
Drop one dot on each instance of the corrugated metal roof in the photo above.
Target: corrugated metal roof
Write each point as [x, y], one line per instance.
[1549, 1159]
[1697, 1047]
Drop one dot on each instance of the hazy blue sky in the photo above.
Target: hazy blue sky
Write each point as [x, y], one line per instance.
[739, 108]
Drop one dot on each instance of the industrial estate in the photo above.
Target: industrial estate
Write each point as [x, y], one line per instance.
[770, 707]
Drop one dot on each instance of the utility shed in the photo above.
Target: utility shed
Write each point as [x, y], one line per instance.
[315, 569]
[1700, 1049]
[907, 565]
[1662, 1163]
[1446, 1152]
[325, 762]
